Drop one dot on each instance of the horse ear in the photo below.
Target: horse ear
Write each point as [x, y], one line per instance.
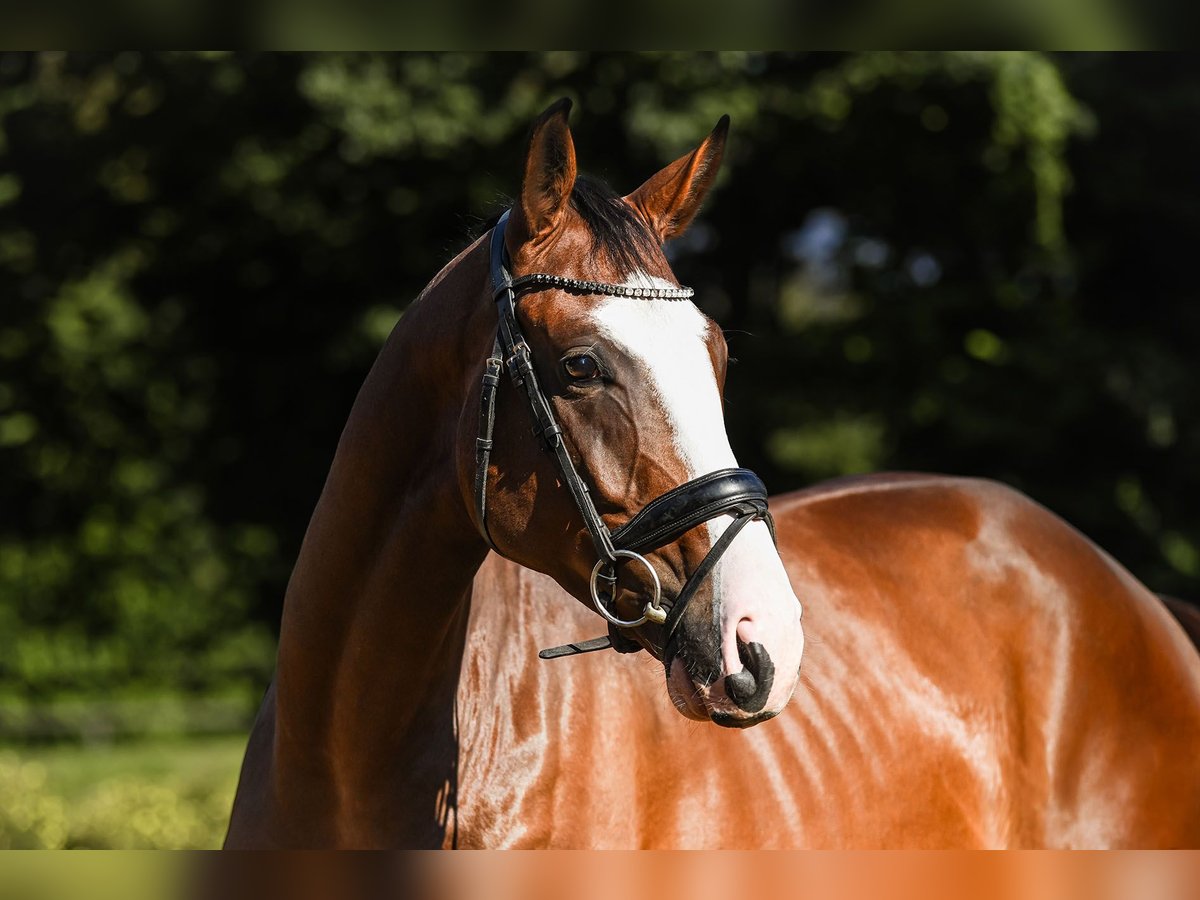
[549, 176]
[669, 200]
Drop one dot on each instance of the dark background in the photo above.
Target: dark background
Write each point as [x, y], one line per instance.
[975, 263]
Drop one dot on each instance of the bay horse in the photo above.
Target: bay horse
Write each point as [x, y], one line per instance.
[975, 671]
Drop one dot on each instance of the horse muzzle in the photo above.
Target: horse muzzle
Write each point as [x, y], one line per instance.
[735, 658]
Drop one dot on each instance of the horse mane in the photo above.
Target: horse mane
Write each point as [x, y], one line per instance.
[618, 233]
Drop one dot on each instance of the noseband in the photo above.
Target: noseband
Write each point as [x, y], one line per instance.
[734, 492]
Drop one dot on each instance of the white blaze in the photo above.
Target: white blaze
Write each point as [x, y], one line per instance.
[667, 339]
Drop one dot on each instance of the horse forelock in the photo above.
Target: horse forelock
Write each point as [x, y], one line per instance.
[617, 231]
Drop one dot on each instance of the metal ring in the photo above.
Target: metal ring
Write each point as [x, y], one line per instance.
[651, 612]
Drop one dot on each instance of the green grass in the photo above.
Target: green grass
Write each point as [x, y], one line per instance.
[72, 771]
[150, 794]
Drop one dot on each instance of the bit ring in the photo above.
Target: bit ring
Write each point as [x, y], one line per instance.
[651, 612]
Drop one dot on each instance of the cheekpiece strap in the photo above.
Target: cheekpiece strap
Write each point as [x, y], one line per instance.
[519, 360]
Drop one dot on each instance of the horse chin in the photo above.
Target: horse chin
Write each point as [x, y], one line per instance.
[683, 693]
[725, 720]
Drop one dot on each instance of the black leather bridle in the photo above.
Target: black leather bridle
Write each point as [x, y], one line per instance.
[736, 492]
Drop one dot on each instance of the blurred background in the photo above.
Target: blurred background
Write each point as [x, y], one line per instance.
[974, 263]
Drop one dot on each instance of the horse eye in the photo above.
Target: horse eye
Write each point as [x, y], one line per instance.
[581, 368]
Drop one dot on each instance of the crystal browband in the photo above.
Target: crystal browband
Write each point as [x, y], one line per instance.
[579, 286]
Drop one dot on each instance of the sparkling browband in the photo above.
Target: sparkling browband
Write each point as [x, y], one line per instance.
[576, 285]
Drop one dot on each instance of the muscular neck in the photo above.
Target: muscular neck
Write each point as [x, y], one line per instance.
[375, 612]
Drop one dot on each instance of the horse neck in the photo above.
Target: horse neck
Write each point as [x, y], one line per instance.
[375, 612]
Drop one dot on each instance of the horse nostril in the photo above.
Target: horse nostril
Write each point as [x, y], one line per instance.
[750, 687]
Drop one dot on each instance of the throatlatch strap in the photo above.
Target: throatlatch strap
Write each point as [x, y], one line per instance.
[483, 443]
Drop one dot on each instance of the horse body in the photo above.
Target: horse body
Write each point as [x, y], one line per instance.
[978, 674]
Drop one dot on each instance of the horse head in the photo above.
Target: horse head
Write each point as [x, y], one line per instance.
[621, 378]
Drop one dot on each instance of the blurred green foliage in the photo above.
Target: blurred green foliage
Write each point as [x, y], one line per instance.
[966, 262]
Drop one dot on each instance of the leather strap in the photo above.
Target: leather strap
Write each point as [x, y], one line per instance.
[589, 646]
[675, 614]
[681, 509]
[483, 443]
[520, 368]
